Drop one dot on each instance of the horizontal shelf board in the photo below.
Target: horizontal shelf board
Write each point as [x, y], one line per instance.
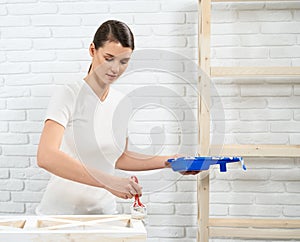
[253, 71]
[256, 150]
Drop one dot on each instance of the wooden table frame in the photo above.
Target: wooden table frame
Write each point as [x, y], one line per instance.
[233, 227]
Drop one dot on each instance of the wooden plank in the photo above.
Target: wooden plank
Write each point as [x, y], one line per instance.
[254, 71]
[256, 150]
[204, 36]
[256, 223]
[248, 233]
[255, 0]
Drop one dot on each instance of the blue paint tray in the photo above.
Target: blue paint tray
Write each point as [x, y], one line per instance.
[200, 163]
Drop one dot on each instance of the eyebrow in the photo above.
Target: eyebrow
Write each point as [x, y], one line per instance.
[110, 55]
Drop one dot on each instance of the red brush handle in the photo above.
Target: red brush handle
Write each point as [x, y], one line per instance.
[137, 201]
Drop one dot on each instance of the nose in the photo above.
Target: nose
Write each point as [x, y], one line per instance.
[115, 67]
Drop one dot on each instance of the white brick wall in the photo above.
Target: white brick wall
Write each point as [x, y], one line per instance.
[45, 42]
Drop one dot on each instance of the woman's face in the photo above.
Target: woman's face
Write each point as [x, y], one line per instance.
[110, 61]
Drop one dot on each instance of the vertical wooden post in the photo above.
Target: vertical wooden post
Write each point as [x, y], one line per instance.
[203, 116]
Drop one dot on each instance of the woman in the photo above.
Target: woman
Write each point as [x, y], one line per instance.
[79, 143]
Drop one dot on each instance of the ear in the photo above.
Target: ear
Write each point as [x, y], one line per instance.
[92, 49]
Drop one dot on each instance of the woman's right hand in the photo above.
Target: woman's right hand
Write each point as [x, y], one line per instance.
[124, 187]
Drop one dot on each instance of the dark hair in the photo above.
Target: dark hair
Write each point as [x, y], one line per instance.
[113, 31]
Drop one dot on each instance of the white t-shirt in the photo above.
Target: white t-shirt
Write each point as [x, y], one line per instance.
[95, 133]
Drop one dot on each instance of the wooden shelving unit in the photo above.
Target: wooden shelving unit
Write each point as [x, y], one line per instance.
[228, 227]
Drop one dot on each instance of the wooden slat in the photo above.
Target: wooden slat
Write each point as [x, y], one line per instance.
[253, 71]
[204, 36]
[254, 0]
[247, 233]
[257, 150]
[256, 223]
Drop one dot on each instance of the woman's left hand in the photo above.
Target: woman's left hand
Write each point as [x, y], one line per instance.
[168, 165]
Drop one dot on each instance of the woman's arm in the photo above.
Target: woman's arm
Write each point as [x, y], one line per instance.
[133, 161]
[59, 163]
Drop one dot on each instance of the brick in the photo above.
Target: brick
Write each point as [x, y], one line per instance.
[11, 185]
[221, 16]
[191, 232]
[158, 208]
[297, 90]
[283, 27]
[268, 40]
[82, 8]
[262, 210]
[242, 127]
[14, 162]
[10, 138]
[10, 92]
[142, 30]
[159, 114]
[25, 32]
[172, 220]
[27, 103]
[218, 210]
[36, 115]
[11, 115]
[166, 232]
[137, 7]
[59, 43]
[161, 42]
[235, 28]
[293, 186]
[4, 173]
[186, 209]
[26, 127]
[158, 186]
[238, 6]
[297, 115]
[266, 114]
[255, 175]
[9, 207]
[4, 196]
[72, 55]
[285, 126]
[42, 90]
[291, 211]
[257, 186]
[26, 196]
[285, 52]
[71, 32]
[3, 10]
[265, 15]
[31, 56]
[240, 52]
[3, 126]
[295, 139]
[15, 44]
[285, 175]
[91, 19]
[63, 67]
[284, 102]
[219, 186]
[14, 21]
[176, 30]
[278, 199]
[167, 197]
[28, 79]
[191, 18]
[186, 186]
[297, 14]
[29, 174]
[263, 139]
[19, 150]
[55, 20]
[159, 18]
[31, 9]
[8, 68]
[235, 198]
[270, 163]
[283, 5]
[225, 40]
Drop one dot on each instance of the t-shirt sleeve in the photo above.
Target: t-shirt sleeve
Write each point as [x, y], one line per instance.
[59, 107]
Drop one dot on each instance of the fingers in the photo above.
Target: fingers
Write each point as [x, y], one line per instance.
[134, 187]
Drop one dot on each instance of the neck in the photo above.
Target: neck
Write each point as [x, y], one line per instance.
[101, 89]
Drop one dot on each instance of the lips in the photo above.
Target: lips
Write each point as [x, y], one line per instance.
[110, 76]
